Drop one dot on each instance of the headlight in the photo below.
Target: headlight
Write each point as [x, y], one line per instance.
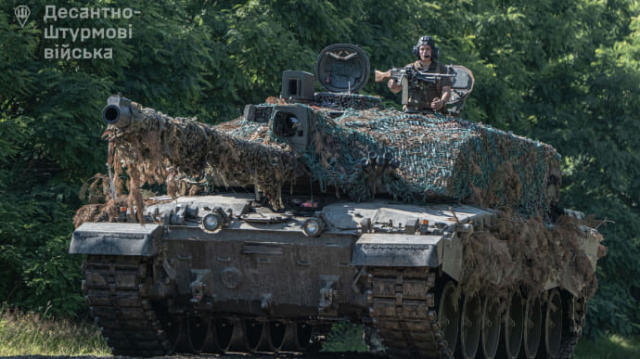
[211, 222]
[313, 227]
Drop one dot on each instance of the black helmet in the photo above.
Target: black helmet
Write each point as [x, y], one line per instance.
[426, 40]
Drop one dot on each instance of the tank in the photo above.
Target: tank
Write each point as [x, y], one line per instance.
[441, 236]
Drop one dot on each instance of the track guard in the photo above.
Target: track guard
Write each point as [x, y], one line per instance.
[398, 250]
[124, 239]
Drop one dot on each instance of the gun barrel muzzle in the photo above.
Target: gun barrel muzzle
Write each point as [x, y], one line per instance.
[114, 114]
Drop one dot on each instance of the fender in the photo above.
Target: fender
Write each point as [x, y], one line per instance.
[128, 239]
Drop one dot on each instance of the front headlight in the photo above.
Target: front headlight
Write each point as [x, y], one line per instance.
[313, 227]
[211, 222]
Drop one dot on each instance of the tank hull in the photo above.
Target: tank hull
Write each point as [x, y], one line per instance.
[175, 284]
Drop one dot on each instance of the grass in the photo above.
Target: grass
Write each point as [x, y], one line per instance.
[611, 347]
[30, 334]
[346, 337]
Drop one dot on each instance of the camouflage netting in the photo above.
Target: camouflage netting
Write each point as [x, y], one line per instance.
[414, 158]
[420, 158]
[346, 100]
[524, 254]
[156, 148]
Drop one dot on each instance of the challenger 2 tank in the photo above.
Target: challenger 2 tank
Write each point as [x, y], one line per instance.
[442, 236]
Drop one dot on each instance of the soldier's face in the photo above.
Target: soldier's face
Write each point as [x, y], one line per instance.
[425, 52]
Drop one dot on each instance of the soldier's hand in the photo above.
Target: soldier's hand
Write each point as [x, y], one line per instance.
[437, 104]
[393, 86]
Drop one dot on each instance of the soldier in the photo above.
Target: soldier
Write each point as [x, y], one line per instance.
[425, 96]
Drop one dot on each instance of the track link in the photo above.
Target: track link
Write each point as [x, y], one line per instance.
[402, 309]
[116, 291]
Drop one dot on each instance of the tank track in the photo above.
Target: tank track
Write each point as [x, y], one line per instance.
[402, 309]
[115, 291]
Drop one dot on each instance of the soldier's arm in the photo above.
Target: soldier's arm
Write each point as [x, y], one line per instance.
[439, 103]
[446, 94]
[446, 89]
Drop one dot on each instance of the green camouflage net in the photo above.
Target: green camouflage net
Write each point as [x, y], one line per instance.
[345, 100]
[421, 158]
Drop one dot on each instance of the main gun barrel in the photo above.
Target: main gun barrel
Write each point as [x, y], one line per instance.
[117, 112]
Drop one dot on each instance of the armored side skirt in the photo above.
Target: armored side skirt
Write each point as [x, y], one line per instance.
[125, 239]
[377, 249]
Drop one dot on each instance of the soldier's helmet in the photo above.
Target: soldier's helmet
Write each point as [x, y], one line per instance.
[426, 40]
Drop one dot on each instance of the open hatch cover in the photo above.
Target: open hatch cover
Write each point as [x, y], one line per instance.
[342, 68]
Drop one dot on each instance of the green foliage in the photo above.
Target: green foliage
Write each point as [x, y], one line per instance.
[609, 347]
[33, 254]
[566, 73]
[345, 337]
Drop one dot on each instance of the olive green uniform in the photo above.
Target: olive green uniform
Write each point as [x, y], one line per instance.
[421, 93]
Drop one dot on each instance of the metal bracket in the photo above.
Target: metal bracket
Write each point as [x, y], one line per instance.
[328, 293]
[266, 302]
[198, 286]
[171, 273]
[354, 284]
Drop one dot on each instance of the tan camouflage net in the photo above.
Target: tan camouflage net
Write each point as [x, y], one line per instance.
[156, 148]
[515, 253]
